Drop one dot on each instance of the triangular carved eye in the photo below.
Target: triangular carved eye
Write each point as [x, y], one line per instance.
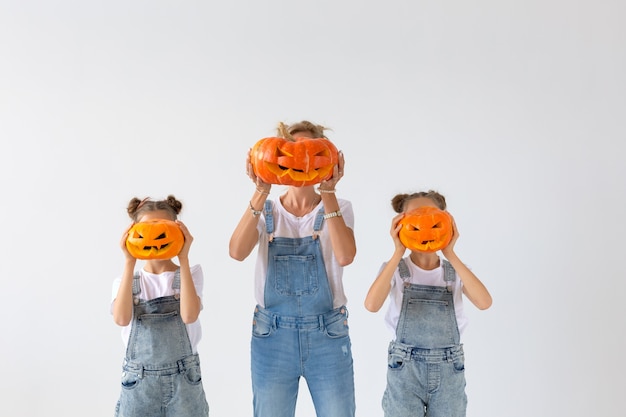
[437, 226]
[161, 236]
[280, 152]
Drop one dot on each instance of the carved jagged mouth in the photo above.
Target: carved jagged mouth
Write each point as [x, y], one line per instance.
[156, 247]
[298, 174]
[293, 169]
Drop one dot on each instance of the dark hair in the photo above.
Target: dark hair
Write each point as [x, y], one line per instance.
[286, 131]
[399, 201]
[136, 207]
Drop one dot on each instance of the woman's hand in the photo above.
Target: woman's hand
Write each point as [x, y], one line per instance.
[330, 183]
[261, 186]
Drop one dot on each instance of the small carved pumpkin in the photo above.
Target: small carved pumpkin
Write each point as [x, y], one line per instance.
[298, 161]
[426, 229]
[155, 239]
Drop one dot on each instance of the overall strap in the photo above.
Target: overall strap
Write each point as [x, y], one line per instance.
[405, 272]
[269, 218]
[136, 283]
[449, 274]
[176, 282]
[319, 221]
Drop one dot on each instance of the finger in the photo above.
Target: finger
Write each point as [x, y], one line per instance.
[183, 228]
[397, 218]
[340, 163]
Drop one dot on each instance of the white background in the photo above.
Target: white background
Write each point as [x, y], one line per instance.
[512, 109]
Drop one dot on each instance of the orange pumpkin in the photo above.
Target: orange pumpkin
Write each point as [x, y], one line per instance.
[155, 239]
[426, 229]
[298, 161]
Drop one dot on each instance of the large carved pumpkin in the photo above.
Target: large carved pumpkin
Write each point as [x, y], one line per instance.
[298, 161]
[426, 229]
[155, 239]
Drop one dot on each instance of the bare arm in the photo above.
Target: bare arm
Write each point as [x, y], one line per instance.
[190, 304]
[246, 236]
[341, 236]
[473, 288]
[379, 291]
[123, 303]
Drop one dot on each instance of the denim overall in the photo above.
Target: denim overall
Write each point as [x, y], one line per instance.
[161, 375]
[426, 365]
[298, 333]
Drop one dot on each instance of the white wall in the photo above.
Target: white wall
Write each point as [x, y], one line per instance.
[513, 109]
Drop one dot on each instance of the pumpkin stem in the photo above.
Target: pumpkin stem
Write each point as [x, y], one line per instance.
[284, 132]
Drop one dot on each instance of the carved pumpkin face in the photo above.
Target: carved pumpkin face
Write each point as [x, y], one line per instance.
[426, 229]
[299, 161]
[155, 239]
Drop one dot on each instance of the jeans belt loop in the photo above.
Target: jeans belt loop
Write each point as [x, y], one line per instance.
[320, 319]
[181, 366]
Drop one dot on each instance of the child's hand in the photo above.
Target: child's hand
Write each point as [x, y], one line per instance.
[394, 232]
[127, 254]
[184, 252]
[449, 250]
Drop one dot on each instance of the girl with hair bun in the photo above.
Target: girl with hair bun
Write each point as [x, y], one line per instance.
[158, 308]
[425, 374]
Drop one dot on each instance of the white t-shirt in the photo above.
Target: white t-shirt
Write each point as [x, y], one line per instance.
[422, 277]
[160, 285]
[289, 226]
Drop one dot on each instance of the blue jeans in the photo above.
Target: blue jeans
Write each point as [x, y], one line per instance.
[161, 375]
[314, 347]
[169, 391]
[420, 379]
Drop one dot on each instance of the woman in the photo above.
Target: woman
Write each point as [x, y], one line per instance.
[300, 327]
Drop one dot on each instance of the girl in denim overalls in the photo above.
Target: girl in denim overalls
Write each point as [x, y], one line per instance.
[158, 307]
[300, 326]
[425, 375]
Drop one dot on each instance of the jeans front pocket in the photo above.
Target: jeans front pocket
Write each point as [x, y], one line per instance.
[193, 375]
[261, 327]
[395, 362]
[459, 364]
[130, 380]
[338, 328]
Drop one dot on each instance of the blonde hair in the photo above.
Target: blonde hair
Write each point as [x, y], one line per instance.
[287, 131]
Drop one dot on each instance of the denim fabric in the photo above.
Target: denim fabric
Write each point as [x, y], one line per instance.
[426, 364]
[299, 334]
[425, 382]
[160, 376]
[314, 347]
